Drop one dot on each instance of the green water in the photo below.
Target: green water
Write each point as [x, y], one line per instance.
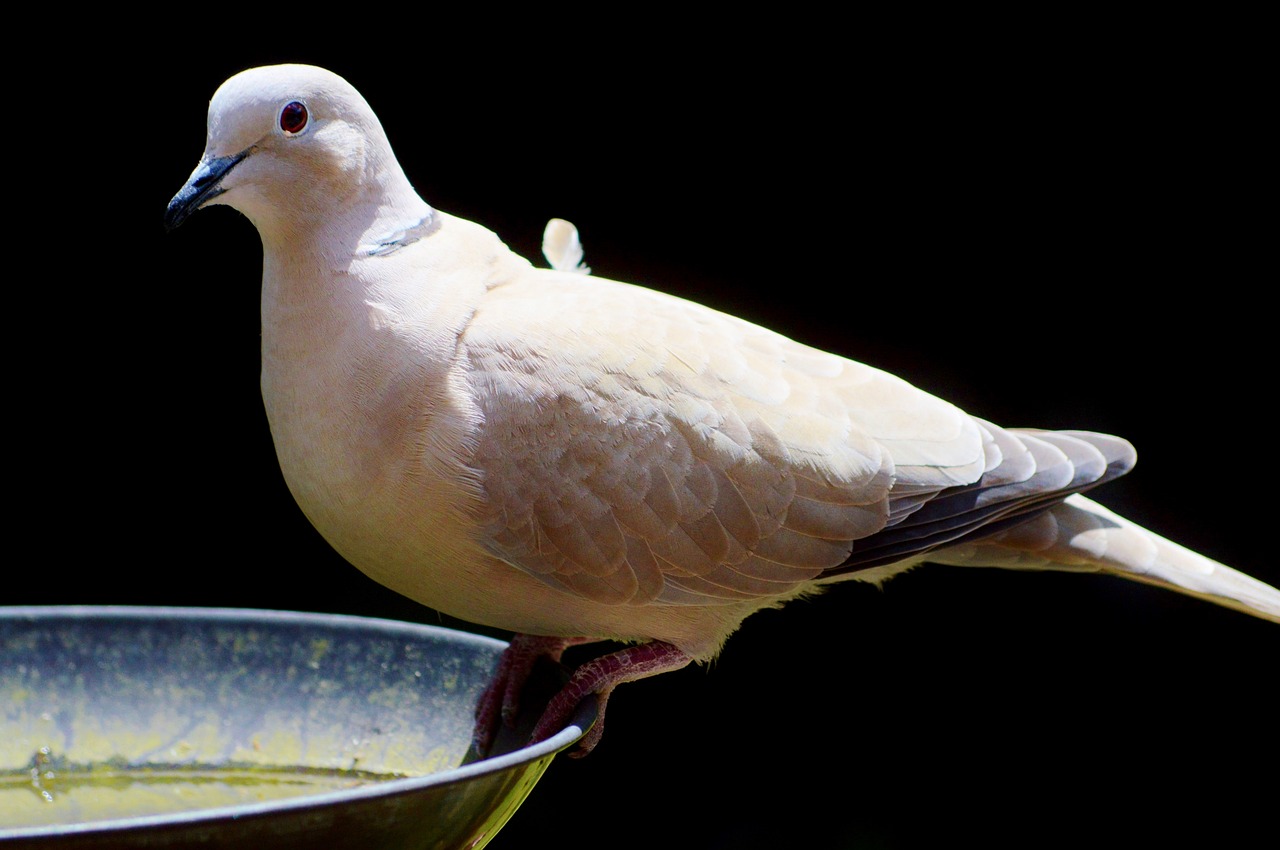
[57, 794]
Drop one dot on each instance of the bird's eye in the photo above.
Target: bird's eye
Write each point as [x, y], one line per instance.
[293, 118]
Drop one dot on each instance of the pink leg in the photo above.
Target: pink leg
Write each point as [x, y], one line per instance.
[502, 696]
[600, 676]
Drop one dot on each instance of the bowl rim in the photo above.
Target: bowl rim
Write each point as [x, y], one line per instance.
[385, 788]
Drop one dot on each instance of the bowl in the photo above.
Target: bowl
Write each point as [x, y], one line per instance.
[174, 727]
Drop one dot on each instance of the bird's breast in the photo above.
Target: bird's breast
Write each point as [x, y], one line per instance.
[370, 428]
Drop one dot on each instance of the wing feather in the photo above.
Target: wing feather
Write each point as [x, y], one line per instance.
[708, 460]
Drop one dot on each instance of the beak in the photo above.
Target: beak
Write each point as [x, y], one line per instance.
[202, 186]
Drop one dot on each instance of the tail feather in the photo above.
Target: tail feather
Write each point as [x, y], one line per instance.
[1081, 535]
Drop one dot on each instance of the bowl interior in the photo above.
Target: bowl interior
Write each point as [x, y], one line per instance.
[120, 720]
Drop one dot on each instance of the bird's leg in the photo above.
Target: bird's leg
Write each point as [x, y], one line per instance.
[502, 695]
[600, 676]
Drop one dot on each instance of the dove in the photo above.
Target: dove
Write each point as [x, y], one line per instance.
[575, 459]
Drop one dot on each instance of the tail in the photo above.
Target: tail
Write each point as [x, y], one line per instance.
[1079, 535]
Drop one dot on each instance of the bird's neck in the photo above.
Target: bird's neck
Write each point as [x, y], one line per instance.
[355, 331]
[333, 227]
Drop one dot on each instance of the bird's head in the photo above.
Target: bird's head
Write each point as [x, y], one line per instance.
[289, 146]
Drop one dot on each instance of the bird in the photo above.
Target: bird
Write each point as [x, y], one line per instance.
[575, 459]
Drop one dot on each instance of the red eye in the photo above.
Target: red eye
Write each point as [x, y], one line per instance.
[293, 117]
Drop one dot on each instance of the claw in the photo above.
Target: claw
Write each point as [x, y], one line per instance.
[600, 676]
[501, 698]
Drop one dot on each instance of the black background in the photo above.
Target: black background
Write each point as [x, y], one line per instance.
[1051, 234]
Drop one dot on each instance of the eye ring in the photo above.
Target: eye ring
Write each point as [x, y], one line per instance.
[294, 117]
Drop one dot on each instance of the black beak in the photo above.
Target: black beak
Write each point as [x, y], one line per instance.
[202, 186]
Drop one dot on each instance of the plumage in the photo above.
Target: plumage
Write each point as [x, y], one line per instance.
[570, 457]
[562, 248]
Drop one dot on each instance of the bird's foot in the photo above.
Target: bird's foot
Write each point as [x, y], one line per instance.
[500, 703]
[600, 676]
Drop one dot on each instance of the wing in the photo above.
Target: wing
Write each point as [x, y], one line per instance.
[639, 448]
